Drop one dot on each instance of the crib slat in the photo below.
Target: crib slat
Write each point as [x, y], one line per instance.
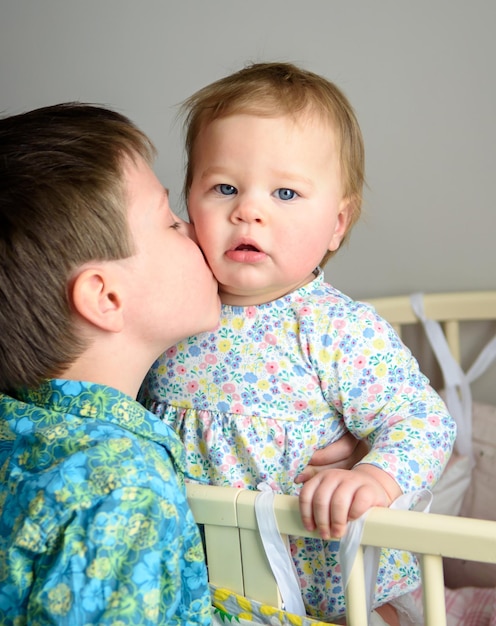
[215, 508]
[258, 577]
[433, 590]
[451, 330]
[225, 558]
[355, 593]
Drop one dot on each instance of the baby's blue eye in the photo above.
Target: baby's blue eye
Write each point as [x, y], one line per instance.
[226, 190]
[285, 194]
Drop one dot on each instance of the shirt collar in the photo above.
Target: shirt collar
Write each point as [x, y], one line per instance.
[58, 398]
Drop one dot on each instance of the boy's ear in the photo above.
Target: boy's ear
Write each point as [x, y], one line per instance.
[95, 296]
[342, 224]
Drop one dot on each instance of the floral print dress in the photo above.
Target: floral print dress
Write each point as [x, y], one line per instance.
[255, 398]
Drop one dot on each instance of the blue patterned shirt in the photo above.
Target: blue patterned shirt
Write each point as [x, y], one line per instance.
[95, 527]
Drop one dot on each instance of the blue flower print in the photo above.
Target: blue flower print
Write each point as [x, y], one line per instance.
[356, 392]
[147, 573]
[71, 387]
[195, 575]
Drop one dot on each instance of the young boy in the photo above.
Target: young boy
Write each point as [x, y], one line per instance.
[94, 523]
[274, 184]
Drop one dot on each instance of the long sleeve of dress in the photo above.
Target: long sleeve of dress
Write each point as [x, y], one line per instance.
[372, 379]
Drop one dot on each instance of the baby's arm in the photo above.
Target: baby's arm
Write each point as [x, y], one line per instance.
[375, 384]
[341, 454]
[333, 497]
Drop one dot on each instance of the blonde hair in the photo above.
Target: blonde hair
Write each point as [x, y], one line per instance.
[272, 89]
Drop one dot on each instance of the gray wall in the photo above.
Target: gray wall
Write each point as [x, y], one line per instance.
[421, 75]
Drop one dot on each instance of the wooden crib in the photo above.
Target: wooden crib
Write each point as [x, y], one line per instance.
[235, 553]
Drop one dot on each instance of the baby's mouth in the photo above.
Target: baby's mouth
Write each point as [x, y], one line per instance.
[246, 253]
[246, 246]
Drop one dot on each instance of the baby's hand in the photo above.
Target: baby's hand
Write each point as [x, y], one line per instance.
[333, 497]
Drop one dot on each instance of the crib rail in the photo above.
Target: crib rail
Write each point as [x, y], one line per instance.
[450, 309]
[237, 561]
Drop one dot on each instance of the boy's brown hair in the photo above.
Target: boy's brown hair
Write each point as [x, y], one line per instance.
[62, 204]
[273, 89]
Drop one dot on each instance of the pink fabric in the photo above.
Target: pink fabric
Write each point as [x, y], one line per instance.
[468, 606]
[471, 606]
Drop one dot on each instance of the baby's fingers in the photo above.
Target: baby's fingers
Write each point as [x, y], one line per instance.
[306, 502]
[364, 499]
[339, 512]
[324, 505]
[347, 504]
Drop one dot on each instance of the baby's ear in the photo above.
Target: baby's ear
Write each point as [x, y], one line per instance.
[95, 296]
[343, 222]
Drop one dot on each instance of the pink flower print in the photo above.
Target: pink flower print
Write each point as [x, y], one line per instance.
[239, 484]
[305, 310]
[379, 327]
[250, 311]
[238, 408]
[279, 440]
[271, 367]
[203, 366]
[429, 477]
[360, 362]
[270, 338]
[180, 369]
[236, 396]
[211, 359]
[299, 405]
[192, 386]
[375, 389]
[171, 352]
[287, 388]
[228, 388]
[231, 460]
[433, 420]
[339, 324]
